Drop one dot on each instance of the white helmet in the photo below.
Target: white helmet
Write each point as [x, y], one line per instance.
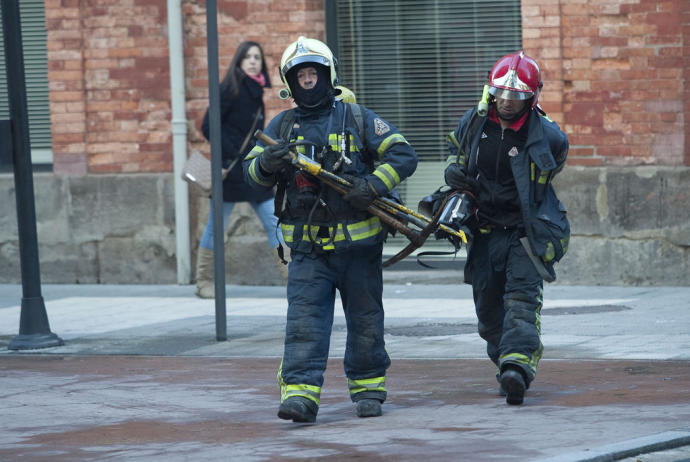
[306, 50]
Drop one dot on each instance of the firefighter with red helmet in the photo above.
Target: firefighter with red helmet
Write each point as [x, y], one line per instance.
[506, 158]
[334, 241]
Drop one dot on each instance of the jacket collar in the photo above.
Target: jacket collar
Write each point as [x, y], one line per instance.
[516, 125]
[253, 88]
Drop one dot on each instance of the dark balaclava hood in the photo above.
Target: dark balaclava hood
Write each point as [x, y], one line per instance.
[316, 97]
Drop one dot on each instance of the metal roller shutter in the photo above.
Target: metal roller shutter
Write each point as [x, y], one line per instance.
[421, 65]
[32, 13]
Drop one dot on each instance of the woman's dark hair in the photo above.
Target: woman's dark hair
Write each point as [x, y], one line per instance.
[234, 75]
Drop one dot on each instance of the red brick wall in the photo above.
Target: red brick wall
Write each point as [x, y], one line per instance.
[272, 23]
[614, 75]
[110, 79]
[110, 85]
[66, 84]
[685, 18]
[622, 66]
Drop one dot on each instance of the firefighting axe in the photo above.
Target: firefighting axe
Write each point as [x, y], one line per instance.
[390, 212]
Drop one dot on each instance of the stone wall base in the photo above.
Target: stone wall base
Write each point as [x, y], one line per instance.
[630, 226]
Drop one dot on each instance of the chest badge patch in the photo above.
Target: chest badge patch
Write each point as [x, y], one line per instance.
[484, 135]
[380, 127]
[513, 152]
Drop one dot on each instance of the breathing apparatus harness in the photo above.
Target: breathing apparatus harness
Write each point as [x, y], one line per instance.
[459, 207]
[308, 186]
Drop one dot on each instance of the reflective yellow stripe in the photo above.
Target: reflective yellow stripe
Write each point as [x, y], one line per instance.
[358, 231]
[452, 139]
[544, 176]
[549, 253]
[388, 142]
[451, 160]
[339, 235]
[364, 229]
[256, 150]
[353, 145]
[531, 171]
[254, 173]
[334, 141]
[388, 175]
[373, 384]
[519, 358]
[286, 391]
[288, 231]
[308, 391]
[301, 149]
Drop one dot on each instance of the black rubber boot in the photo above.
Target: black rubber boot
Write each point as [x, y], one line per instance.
[298, 409]
[513, 383]
[369, 408]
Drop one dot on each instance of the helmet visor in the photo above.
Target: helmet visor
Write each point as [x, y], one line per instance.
[316, 59]
[510, 94]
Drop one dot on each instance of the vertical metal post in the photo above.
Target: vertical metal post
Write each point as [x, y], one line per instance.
[332, 26]
[216, 166]
[34, 329]
[178, 125]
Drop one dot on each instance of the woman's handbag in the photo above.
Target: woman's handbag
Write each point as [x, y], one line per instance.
[197, 168]
[197, 172]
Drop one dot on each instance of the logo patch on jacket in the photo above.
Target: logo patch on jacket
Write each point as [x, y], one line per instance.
[513, 152]
[380, 127]
[484, 135]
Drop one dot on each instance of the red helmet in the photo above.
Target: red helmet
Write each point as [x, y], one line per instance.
[515, 76]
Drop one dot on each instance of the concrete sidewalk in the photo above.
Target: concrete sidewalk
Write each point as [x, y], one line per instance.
[141, 377]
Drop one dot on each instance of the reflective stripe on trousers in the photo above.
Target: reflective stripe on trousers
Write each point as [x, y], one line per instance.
[508, 297]
[312, 281]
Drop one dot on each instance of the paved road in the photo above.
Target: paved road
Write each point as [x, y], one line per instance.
[141, 377]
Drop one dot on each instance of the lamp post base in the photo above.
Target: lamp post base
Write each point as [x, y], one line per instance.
[34, 341]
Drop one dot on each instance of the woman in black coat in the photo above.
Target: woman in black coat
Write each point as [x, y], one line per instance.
[241, 113]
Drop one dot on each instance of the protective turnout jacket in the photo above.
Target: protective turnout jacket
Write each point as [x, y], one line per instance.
[373, 149]
[542, 157]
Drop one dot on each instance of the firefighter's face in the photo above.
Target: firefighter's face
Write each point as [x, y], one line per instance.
[508, 108]
[307, 77]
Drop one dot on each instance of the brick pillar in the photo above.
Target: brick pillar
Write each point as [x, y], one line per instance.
[66, 85]
[685, 21]
[541, 39]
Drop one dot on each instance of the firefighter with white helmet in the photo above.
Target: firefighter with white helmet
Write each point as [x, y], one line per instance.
[506, 160]
[335, 243]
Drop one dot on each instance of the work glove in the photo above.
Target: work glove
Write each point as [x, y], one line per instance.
[275, 157]
[457, 179]
[362, 194]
